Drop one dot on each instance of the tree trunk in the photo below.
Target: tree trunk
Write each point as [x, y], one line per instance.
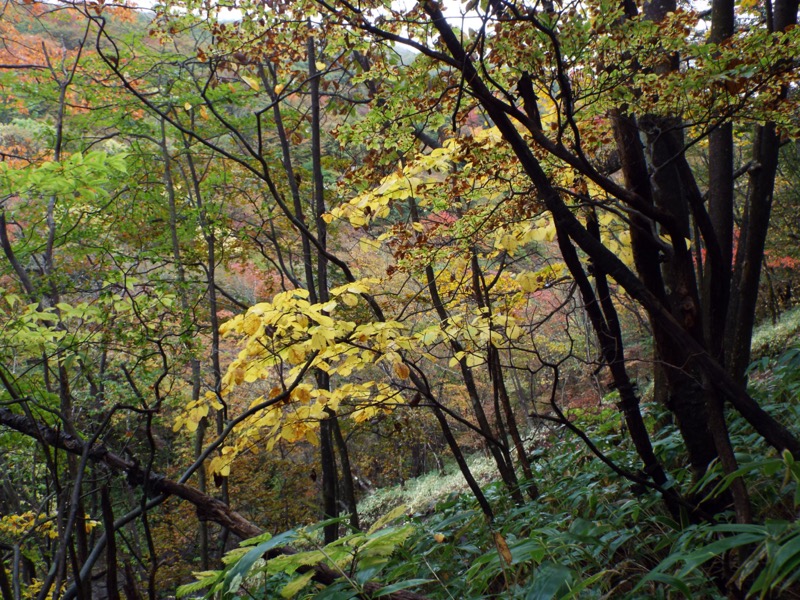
[755, 224]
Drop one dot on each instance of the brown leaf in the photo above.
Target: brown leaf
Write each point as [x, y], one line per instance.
[502, 547]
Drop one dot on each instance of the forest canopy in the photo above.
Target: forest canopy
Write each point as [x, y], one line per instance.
[263, 261]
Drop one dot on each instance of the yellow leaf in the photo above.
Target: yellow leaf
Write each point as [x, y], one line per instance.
[279, 88]
[527, 282]
[539, 234]
[199, 412]
[318, 340]
[327, 217]
[301, 393]
[251, 324]
[366, 245]
[220, 466]
[551, 232]
[188, 106]
[231, 325]
[350, 299]
[312, 438]
[252, 374]
[606, 219]
[392, 515]
[321, 66]
[509, 243]
[252, 82]
[473, 360]
[290, 433]
[296, 355]
[272, 417]
[438, 538]
[323, 320]
[213, 400]
[293, 587]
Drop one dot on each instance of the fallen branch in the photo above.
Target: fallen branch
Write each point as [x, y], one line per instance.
[208, 508]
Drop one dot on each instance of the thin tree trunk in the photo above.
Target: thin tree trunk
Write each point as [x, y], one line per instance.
[183, 295]
[348, 485]
[605, 322]
[497, 447]
[496, 375]
[752, 239]
[112, 585]
[717, 271]
[330, 482]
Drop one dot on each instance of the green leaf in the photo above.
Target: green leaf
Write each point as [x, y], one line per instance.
[695, 559]
[585, 584]
[206, 579]
[675, 582]
[384, 542]
[393, 514]
[237, 574]
[549, 582]
[400, 585]
[297, 584]
[289, 563]
[782, 567]
[531, 550]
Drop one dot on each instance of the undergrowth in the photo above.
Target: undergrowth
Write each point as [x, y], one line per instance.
[591, 534]
[772, 339]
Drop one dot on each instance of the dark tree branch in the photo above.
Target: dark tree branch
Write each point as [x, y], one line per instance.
[208, 508]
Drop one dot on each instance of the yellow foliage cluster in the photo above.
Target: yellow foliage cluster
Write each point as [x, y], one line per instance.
[511, 238]
[284, 340]
[196, 411]
[15, 527]
[411, 179]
